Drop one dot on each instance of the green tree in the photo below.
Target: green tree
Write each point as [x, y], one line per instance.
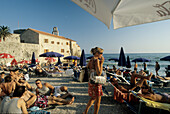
[4, 32]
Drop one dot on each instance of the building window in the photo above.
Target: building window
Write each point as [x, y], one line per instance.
[52, 42]
[74, 45]
[45, 40]
[67, 43]
[46, 50]
[61, 43]
[22, 41]
[67, 51]
[62, 50]
[58, 43]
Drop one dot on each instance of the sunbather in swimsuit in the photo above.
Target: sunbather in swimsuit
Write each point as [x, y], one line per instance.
[164, 98]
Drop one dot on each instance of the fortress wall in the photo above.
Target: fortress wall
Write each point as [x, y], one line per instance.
[18, 50]
[13, 46]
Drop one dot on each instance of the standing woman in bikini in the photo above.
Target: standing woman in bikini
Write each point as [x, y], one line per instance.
[95, 90]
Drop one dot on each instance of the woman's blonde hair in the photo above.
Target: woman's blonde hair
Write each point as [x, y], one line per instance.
[96, 49]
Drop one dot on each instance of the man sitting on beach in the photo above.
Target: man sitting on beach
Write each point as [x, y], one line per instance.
[14, 104]
[2, 77]
[8, 87]
[47, 89]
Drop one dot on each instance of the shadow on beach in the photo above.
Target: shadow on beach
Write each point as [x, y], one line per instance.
[80, 92]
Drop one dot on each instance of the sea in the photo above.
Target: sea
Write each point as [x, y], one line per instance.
[150, 65]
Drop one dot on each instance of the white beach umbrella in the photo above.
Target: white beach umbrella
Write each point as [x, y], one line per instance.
[126, 12]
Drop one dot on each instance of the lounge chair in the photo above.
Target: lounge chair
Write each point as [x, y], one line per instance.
[122, 97]
[119, 77]
[69, 72]
[48, 74]
[149, 103]
[126, 98]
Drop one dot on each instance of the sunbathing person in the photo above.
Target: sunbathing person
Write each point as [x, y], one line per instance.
[29, 98]
[141, 82]
[48, 90]
[141, 72]
[56, 69]
[21, 82]
[114, 81]
[8, 87]
[15, 75]
[162, 97]
[2, 77]
[118, 72]
[134, 84]
[161, 77]
[14, 104]
[38, 70]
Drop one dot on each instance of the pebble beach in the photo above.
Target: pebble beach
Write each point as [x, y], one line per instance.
[80, 92]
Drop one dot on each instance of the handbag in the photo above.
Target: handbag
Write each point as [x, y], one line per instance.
[98, 79]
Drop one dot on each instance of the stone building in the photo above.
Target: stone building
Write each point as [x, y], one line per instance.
[24, 42]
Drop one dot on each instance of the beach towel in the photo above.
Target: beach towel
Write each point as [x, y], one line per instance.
[119, 96]
[40, 112]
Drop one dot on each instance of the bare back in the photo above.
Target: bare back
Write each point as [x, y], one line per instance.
[8, 88]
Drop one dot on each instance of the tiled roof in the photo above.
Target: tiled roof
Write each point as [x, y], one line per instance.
[45, 33]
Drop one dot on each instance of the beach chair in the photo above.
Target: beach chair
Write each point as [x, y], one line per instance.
[120, 78]
[122, 97]
[168, 71]
[126, 98]
[149, 103]
[69, 72]
[55, 74]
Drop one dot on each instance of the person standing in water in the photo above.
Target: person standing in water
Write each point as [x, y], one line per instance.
[157, 67]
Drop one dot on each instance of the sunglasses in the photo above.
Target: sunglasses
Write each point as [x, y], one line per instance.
[100, 53]
[37, 83]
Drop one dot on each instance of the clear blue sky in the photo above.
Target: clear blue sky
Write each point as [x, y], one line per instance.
[75, 23]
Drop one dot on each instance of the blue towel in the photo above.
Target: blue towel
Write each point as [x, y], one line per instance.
[40, 112]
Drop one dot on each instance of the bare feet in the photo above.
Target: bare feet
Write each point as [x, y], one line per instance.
[149, 77]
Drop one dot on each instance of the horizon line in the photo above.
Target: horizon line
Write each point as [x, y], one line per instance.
[137, 53]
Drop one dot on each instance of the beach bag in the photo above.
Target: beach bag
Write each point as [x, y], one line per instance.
[97, 79]
[81, 76]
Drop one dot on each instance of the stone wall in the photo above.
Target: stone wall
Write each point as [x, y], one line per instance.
[19, 50]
